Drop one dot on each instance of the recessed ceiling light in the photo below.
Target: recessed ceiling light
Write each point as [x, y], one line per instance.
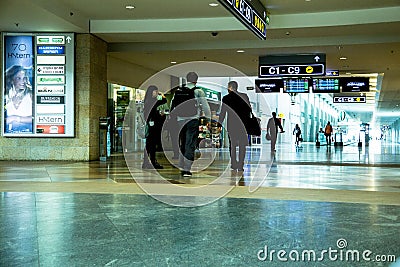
[129, 7]
[173, 62]
[213, 4]
[343, 58]
[240, 51]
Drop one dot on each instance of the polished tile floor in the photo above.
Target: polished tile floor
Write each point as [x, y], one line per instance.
[322, 206]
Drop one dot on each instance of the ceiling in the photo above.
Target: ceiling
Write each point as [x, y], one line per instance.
[157, 32]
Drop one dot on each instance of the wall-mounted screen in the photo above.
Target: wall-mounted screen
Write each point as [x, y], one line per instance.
[354, 84]
[269, 85]
[38, 84]
[326, 85]
[297, 85]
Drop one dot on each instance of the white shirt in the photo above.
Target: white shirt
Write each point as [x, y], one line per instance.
[24, 109]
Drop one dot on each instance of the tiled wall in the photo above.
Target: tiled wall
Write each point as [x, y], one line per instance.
[90, 104]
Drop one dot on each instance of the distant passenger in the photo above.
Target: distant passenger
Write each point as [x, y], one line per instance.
[272, 130]
[328, 133]
[297, 133]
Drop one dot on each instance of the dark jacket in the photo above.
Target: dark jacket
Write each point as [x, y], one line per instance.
[237, 106]
[154, 115]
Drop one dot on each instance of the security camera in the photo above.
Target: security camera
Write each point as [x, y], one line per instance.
[214, 34]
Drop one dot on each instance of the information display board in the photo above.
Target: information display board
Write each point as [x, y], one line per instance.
[326, 85]
[354, 84]
[297, 85]
[269, 85]
[38, 84]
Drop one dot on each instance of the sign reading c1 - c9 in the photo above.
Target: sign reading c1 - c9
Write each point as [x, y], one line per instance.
[292, 70]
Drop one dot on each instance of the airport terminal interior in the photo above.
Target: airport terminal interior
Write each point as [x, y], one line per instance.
[324, 201]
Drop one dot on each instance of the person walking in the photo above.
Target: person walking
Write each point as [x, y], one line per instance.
[272, 130]
[328, 133]
[297, 133]
[237, 106]
[154, 122]
[187, 105]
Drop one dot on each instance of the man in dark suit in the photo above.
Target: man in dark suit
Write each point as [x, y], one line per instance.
[272, 129]
[237, 106]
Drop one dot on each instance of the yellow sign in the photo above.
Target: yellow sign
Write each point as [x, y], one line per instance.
[309, 69]
[281, 115]
[258, 23]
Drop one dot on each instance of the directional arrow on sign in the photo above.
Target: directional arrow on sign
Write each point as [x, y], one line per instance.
[68, 39]
[317, 58]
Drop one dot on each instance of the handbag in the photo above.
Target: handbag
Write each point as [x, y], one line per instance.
[253, 125]
[268, 136]
[142, 129]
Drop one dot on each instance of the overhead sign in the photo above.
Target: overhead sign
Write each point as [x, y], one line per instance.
[251, 13]
[292, 65]
[42, 67]
[349, 99]
[291, 70]
[297, 85]
[332, 73]
[326, 85]
[354, 84]
[284, 59]
[269, 85]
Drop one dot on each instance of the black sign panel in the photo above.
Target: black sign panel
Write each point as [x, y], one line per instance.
[349, 99]
[354, 84]
[297, 85]
[292, 59]
[50, 100]
[326, 85]
[269, 85]
[291, 70]
[292, 65]
[251, 13]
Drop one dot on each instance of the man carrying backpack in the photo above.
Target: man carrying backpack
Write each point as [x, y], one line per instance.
[187, 105]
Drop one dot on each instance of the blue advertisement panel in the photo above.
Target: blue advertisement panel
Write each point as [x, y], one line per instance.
[49, 49]
[18, 84]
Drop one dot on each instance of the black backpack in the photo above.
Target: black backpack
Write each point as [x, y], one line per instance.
[184, 103]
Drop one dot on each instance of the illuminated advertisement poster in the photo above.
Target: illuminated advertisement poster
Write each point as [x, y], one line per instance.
[18, 85]
[38, 85]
